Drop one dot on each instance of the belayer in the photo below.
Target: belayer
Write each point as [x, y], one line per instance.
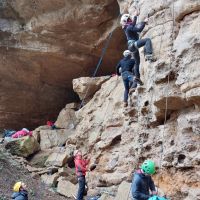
[81, 168]
[132, 31]
[20, 191]
[142, 183]
[126, 69]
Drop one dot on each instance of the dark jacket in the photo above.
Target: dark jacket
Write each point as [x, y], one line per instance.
[126, 64]
[132, 31]
[22, 195]
[141, 184]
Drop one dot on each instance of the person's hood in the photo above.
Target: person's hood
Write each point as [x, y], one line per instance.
[140, 174]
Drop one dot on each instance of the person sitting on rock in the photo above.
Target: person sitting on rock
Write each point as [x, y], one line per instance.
[51, 125]
[142, 181]
[81, 168]
[126, 68]
[20, 191]
[132, 31]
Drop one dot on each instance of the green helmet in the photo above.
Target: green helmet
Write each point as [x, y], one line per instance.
[148, 167]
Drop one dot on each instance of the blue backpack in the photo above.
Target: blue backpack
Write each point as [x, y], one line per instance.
[157, 198]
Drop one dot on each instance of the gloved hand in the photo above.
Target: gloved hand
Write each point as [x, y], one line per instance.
[136, 13]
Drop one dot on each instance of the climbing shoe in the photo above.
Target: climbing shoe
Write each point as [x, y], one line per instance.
[138, 80]
[125, 104]
[132, 90]
[149, 57]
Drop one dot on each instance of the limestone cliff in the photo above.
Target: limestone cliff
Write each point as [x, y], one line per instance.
[44, 44]
[119, 140]
[161, 122]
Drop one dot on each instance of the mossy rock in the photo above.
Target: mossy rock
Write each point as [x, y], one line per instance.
[23, 147]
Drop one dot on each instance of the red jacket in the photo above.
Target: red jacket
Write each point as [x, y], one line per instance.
[81, 166]
[22, 133]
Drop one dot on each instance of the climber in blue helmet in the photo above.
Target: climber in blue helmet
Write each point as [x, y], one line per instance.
[132, 31]
[126, 68]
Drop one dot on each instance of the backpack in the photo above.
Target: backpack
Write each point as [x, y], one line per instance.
[157, 198]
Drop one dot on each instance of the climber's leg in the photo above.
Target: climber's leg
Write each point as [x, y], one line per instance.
[148, 51]
[81, 189]
[126, 91]
[137, 67]
[147, 45]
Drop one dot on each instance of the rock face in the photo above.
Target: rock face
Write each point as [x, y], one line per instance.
[163, 114]
[162, 119]
[24, 146]
[43, 46]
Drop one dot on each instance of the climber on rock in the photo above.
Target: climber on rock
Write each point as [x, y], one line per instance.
[81, 168]
[142, 182]
[126, 68]
[20, 191]
[132, 31]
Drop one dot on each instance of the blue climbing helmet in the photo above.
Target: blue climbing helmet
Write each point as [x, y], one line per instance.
[157, 198]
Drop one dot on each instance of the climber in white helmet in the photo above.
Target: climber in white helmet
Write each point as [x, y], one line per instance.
[132, 31]
[126, 68]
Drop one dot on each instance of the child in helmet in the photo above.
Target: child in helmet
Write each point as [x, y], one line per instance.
[20, 192]
[81, 169]
[134, 42]
[142, 182]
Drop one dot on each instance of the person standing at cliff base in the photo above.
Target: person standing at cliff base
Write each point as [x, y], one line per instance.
[142, 182]
[132, 31]
[20, 191]
[81, 168]
[126, 68]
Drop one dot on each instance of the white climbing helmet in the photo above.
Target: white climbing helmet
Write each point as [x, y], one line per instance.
[124, 19]
[126, 53]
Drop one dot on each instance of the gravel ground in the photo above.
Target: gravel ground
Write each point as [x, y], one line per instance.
[11, 171]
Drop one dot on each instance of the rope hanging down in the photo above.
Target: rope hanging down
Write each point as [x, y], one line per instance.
[99, 63]
[167, 93]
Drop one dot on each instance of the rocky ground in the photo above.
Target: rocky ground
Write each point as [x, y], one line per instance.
[11, 170]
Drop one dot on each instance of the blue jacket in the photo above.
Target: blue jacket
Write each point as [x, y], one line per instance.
[141, 184]
[132, 31]
[126, 64]
[22, 195]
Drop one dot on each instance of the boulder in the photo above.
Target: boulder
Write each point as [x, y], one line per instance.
[24, 146]
[50, 180]
[66, 118]
[123, 191]
[85, 87]
[58, 158]
[52, 138]
[66, 188]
